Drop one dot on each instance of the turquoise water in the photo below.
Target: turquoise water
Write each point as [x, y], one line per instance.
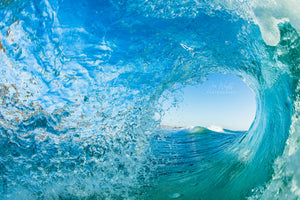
[82, 87]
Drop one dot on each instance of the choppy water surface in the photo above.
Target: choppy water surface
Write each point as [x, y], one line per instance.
[82, 85]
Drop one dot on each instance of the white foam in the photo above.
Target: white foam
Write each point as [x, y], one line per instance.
[268, 13]
[216, 128]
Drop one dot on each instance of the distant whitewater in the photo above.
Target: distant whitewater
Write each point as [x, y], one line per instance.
[82, 86]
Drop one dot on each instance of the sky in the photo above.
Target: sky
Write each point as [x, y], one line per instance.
[224, 100]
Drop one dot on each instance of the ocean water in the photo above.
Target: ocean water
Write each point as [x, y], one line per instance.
[83, 82]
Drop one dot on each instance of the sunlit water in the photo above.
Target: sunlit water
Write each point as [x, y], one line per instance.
[82, 87]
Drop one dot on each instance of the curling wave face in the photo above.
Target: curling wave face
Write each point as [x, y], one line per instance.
[82, 85]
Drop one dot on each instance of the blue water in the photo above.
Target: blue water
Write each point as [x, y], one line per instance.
[81, 86]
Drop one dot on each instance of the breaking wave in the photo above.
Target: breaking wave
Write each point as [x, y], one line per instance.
[82, 85]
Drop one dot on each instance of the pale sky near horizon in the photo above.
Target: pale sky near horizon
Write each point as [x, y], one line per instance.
[224, 100]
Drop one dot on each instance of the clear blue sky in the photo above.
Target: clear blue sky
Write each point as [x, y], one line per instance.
[223, 100]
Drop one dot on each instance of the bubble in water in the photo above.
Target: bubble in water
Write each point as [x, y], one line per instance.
[175, 196]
